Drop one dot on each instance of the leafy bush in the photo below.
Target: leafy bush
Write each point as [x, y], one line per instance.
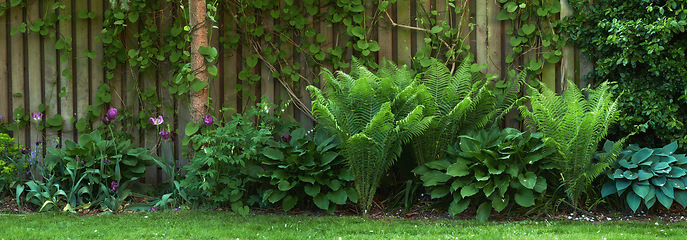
[641, 45]
[573, 127]
[645, 175]
[95, 168]
[304, 169]
[491, 169]
[11, 164]
[373, 116]
[225, 165]
[460, 102]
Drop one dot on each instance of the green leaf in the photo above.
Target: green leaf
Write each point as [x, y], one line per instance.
[321, 201]
[528, 180]
[276, 196]
[439, 192]
[468, 190]
[311, 189]
[457, 170]
[528, 28]
[338, 196]
[273, 153]
[640, 190]
[458, 207]
[191, 128]
[212, 70]
[641, 155]
[681, 198]
[663, 199]
[633, 201]
[621, 184]
[289, 202]
[434, 178]
[670, 148]
[500, 203]
[524, 197]
[483, 212]
[436, 29]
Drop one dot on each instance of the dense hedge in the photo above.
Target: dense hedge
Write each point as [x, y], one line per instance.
[640, 44]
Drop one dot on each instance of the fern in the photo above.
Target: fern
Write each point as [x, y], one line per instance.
[574, 126]
[373, 114]
[460, 102]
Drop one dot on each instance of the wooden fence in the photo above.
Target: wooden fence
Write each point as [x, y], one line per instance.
[31, 72]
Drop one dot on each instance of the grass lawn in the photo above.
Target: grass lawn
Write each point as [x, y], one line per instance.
[224, 225]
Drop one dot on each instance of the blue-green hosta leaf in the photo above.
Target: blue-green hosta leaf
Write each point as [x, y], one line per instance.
[676, 172]
[659, 166]
[457, 207]
[644, 175]
[640, 190]
[481, 175]
[434, 178]
[681, 197]
[321, 201]
[618, 174]
[289, 202]
[668, 190]
[483, 211]
[621, 184]
[668, 159]
[676, 183]
[681, 159]
[630, 175]
[439, 164]
[608, 189]
[670, 148]
[338, 196]
[633, 201]
[649, 202]
[541, 185]
[499, 203]
[439, 191]
[524, 197]
[628, 165]
[528, 180]
[641, 155]
[663, 199]
[457, 170]
[312, 189]
[658, 181]
[468, 190]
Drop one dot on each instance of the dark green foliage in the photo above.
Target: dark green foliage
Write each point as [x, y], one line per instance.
[373, 116]
[87, 170]
[641, 45]
[490, 170]
[645, 175]
[226, 160]
[305, 170]
[460, 102]
[573, 126]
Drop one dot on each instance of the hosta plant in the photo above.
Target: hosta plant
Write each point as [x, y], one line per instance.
[372, 116]
[491, 170]
[643, 176]
[305, 170]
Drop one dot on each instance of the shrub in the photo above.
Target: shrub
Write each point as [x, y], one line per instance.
[641, 45]
[492, 169]
[12, 166]
[644, 175]
[303, 169]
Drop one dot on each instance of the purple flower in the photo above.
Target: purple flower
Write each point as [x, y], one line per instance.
[38, 143]
[176, 209]
[208, 120]
[0, 118]
[25, 151]
[153, 209]
[37, 116]
[113, 186]
[165, 135]
[173, 135]
[106, 161]
[286, 138]
[106, 120]
[157, 121]
[112, 113]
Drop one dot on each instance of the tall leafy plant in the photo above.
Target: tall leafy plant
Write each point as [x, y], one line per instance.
[460, 102]
[373, 116]
[573, 126]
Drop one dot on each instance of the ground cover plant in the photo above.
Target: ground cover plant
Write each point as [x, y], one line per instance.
[224, 225]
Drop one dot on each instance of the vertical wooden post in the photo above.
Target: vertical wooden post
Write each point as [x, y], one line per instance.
[199, 38]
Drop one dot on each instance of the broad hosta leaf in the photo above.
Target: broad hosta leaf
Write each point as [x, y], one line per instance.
[668, 191]
[321, 201]
[658, 181]
[681, 198]
[618, 174]
[670, 148]
[457, 207]
[312, 189]
[644, 175]
[608, 189]
[681, 159]
[630, 175]
[439, 192]
[640, 190]
[481, 176]
[500, 203]
[541, 185]
[629, 165]
[641, 155]
[439, 165]
[621, 184]
[524, 197]
[468, 190]
[286, 185]
[434, 178]
[675, 183]
[273, 153]
[483, 211]
[276, 196]
[676, 172]
[660, 166]
[289, 202]
[633, 201]
[663, 199]
[457, 170]
[338, 196]
[528, 180]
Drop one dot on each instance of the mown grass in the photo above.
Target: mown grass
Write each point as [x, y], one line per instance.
[224, 225]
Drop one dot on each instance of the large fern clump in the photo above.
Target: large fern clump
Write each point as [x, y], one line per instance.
[574, 125]
[461, 102]
[373, 116]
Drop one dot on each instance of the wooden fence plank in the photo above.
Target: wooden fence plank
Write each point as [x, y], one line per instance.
[16, 55]
[481, 51]
[568, 59]
[403, 35]
[494, 40]
[81, 68]
[34, 72]
[66, 68]
[50, 78]
[97, 75]
[5, 91]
